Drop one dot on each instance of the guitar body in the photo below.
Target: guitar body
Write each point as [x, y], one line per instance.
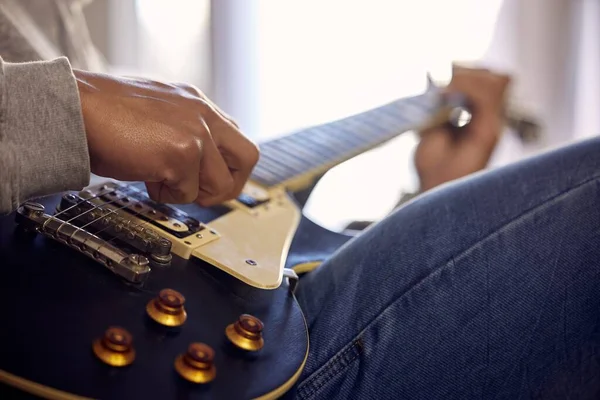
[58, 301]
[103, 258]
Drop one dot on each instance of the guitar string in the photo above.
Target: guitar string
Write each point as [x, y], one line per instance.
[422, 106]
[95, 207]
[413, 99]
[114, 211]
[53, 217]
[139, 191]
[80, 214]
[70, 237]
[87, 211]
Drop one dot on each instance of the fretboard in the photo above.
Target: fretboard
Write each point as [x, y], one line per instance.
[312, 151]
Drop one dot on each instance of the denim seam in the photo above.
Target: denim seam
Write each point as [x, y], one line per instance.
[336, 365]
[323, 370]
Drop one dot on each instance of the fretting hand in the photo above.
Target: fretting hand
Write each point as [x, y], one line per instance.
[442, 156]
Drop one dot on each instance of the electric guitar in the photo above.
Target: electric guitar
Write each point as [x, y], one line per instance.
[106, 294]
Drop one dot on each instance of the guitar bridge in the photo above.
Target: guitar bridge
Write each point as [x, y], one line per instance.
[106, 219]
[131, 266]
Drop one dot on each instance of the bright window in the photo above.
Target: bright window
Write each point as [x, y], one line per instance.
[320, 60]
[280, 65]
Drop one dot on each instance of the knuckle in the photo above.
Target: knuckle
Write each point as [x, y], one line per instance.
[205, 109]
[170, 173]
[232, 121]
[187, 150]
[201, 128]
[190, 88]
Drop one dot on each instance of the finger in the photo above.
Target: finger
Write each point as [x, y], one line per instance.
[197, 93]
[214, 180]
[179, 184]
[240, 154]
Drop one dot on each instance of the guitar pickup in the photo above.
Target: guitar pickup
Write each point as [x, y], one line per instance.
[143, 223]
[130, 266]
[139, 205]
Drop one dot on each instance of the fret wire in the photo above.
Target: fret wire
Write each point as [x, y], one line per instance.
[389, 114]
[395, 118]
[335, 137]
[262, 173]
[278, 167]
[341, 127]
[269, 160]
[426, 102]
[391, 121]
[382, 125]
[318, 148]
[309, 145]
[263, 168]
[292, 146]
[258, 176]
[396, 114]
[368, 132]
[364, 122]
[296, 159]
[348, 136]
[275, 168]
[312, 158]
[274, 153]
[325, 141]
[417, 112]
[338, 140]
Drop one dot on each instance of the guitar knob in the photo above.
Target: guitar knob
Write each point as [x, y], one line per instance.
[197, 364]
[246, 333]
[167, 308]
[115, 347]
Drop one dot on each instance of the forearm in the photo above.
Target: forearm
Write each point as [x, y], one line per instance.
[43, 146]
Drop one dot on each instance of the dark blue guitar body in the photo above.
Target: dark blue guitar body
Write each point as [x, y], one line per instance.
[57, 302]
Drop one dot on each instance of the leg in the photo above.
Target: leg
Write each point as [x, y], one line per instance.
[485, 288]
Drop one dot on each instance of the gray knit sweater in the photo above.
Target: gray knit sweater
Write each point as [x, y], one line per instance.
[43, 147]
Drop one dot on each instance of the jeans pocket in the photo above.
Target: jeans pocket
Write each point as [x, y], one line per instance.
[335, 379]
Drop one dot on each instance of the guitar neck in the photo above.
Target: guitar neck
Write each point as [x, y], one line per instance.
[295, 160]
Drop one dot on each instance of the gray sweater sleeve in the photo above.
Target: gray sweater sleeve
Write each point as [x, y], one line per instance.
[43, 146]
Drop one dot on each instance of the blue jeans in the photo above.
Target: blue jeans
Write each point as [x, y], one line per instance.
[485, 288]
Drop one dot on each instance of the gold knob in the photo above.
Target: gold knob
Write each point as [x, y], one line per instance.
[197, 364]
[115, 347]
[246, 333]
[167, 309]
